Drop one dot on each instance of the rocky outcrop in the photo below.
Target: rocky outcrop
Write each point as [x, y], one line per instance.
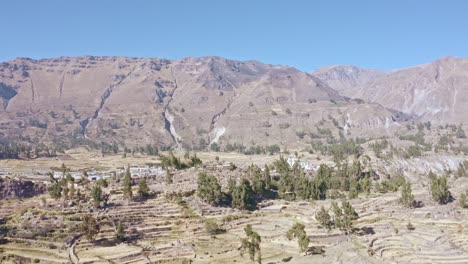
[12, 188]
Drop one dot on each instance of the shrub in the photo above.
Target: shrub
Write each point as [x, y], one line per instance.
[464, 199]
[407, 198]
[440, 191]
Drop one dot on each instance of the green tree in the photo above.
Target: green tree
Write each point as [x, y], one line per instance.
[120, 232]
[337, 214]
[345, 216]
[243, 196]
[96, 194]
[143, 189]
[407, 198]
[440, 191]
[55, 187]
[251, 244]
[89, 228]
[365, 185]
[298, 231]
[259, 185]
[209, 189]
[349, 216]
[127, 184]
[353, 188]
[323, 217]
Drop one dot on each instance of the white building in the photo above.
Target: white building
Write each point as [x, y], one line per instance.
[307, 166]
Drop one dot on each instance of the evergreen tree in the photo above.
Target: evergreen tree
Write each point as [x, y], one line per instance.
[323, 218]
[127, 184]
[365, 185]
[440, 191]
[89, 228]
[407, 198]
[298, 231]
[259, 185]
[251, 244]
[55, 187]
[349, 215]
[353, 188]
[338, 214]
[143, 189]
[231, 186]
[243, 196]
[209, 189]
[345, 216]
[120, 232]
[96, 194]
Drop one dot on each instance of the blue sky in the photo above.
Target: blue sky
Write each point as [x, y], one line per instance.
[303, 34]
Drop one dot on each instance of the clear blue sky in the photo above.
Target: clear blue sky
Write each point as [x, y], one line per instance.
[304, 34]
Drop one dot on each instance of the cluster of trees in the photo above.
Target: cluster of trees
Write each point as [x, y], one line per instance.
[209, 189]
[339, 150]
[90, 228]
[13, 150]
[343, 217]
[171, 161]
[294, 184]
[242, 195]
[240, 148]
[391, 184]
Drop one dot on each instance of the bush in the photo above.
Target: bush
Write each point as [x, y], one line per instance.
[212, 227]
[464, 199]
[407, 198]
[440, 191]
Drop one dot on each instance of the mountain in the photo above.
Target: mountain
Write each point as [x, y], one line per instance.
[188, 103]
[344, 77]
[436, 91]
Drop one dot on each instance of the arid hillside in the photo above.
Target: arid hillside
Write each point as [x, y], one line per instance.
[436, 92]
[190, 103]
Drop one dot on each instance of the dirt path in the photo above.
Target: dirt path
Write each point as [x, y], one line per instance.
[71, 250]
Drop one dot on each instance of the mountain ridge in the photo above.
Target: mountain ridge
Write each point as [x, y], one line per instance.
[186, 103]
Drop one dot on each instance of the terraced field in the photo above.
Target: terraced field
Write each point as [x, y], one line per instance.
[169, 227]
